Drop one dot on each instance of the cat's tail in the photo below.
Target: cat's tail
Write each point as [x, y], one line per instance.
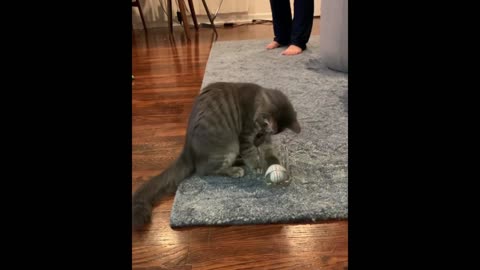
[152, 191]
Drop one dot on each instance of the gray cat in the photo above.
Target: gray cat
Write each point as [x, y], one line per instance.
[228, 123]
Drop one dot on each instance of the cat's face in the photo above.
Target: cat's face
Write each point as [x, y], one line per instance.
[282, 115]
[288, 121]
[285, 119]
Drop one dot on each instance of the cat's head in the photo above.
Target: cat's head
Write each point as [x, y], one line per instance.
[279, 114]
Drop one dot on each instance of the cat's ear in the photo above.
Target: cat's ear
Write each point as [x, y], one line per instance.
[295, 126]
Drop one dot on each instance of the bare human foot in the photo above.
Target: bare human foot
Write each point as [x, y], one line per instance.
[292, 50]
[273, 45]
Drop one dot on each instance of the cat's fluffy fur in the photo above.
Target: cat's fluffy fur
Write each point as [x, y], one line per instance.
[228, 121]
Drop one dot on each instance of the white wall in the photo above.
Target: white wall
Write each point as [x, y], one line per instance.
[239, 11]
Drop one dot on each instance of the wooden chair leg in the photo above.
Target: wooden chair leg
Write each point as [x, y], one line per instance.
[183, 11]
[194, 16]
[141, 14]
[209, 16]
[170, 20]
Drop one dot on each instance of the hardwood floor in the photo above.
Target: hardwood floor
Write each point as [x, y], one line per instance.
[168, 74]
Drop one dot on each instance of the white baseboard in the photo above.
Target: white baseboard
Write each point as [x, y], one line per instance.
[237, 18]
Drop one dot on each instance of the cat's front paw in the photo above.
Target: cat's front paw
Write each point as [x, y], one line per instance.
[236, 172]
[259, 170]
[254, 166]
[141, 215]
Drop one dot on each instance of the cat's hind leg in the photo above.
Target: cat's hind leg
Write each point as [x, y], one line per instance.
[220, 162]
[228, 169]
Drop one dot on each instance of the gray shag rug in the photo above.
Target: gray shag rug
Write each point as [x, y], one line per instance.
[316, 159]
